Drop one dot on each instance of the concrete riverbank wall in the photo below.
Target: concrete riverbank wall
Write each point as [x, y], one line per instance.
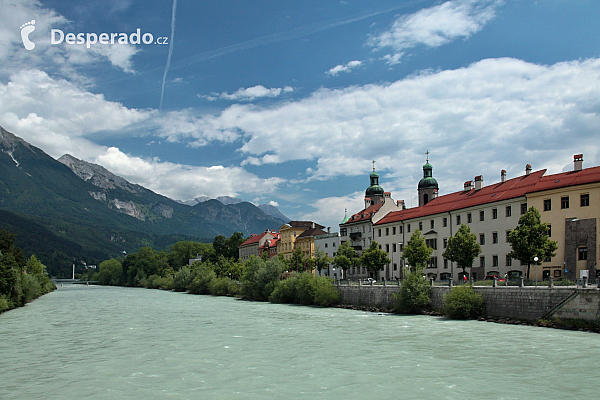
[527, 303]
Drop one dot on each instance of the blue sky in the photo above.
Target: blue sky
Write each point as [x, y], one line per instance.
[288, 102]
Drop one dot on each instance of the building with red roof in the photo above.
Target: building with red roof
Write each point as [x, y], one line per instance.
[254, 242]
[491, 212]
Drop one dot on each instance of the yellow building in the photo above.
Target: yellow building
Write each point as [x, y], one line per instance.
[570, 204]
[290, 233]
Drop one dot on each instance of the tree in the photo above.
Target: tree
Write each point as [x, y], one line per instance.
[110, 272]
[416, 252]
[34, 266]
[530, 239]
[297, 260]
[374, 259]
[414, 295]
[462, 248]
[321, 260]
[345, 257]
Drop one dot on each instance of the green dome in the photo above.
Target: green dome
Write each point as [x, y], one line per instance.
[374, 189]
[428, 181]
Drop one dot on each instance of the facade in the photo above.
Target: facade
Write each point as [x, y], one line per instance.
[329, 243]
[570, 204]
[270, 247]
[290, 232]
[251, 245]
[491, 212]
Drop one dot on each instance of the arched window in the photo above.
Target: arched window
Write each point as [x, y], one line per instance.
[425, 198]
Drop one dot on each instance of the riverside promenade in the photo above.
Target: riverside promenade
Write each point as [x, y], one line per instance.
[516, 302]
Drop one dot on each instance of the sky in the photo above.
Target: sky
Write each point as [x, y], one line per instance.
[288, 103]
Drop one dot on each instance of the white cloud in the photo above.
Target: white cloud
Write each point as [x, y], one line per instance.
[344, 68]
[249, 94]
[57, 115]
[273, 203]
[436, 26]
[179, 181]
[329, 211]
[497, 112]
[62, 58]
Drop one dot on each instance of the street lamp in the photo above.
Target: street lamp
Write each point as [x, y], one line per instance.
[535, 259]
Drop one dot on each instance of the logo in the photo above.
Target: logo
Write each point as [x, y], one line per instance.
[26, 29]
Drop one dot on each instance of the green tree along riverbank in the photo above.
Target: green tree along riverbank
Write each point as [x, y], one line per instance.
[20, 280]
[217, 272]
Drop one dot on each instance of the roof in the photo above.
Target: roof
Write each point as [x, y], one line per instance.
[509, 189]
[304, 224]
[364, 215]
[256, 238]
[571, 178]
[270, 243]
[311, 232]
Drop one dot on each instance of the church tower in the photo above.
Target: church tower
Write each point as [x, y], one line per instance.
[374, 193]
[428, 186]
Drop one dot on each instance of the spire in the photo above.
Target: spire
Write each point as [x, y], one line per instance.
[345, 216]
[373, 165]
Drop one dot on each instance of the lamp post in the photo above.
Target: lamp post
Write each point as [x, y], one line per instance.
[535, 259]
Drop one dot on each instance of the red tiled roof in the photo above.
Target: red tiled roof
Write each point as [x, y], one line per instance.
[365, 214]
[509, 189]
[571, 178]
[257, 238]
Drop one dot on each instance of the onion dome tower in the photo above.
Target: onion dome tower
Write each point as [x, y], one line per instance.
[374, 193]
[428, 186]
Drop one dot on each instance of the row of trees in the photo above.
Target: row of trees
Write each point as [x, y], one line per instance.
[528, 240]
[20, 280]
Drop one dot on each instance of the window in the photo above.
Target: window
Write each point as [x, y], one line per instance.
[494, 261]
[458, 220]
[582, 253]
[494, 237]
[549, 230]
[494, 213]
[432, 262]
[400, 229]
[387, 248]
[333, 244]
[325, 245]
[445, 222]
[507, 236]
[445, 264]
[379, 232]
[363, 229]
[393, 230]
[431, 243]
[469, 219]
[482, 261]
[564, 202]
[482, 215]
[394, 248]
[395, 267]
[408, 228]
[508, 211]
[387, 231]
[445, 242]
[523, 208]
[421, 226]
[431, 224]
[585, 200]
[508, 261]
[482, 238]
[547, 205]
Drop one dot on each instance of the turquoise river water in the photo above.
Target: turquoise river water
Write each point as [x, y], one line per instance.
[94, 342]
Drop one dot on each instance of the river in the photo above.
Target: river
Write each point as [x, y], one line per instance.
[95, 342]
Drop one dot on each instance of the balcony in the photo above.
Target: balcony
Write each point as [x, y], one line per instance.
[355, 235]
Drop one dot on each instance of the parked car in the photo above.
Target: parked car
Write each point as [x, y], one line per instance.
[369, 280]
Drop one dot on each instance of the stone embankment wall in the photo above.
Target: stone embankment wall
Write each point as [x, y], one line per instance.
[527, 303]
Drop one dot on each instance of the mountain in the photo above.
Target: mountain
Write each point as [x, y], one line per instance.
[273, 211]
[87, 205]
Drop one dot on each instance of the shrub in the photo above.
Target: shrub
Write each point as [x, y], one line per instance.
[4, 303]
[326, 294]
[414, 295]
[204, 274]
[219, 286]
[463, 303]
[307, 289]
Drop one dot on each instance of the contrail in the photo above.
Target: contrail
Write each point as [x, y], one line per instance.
[162, 90]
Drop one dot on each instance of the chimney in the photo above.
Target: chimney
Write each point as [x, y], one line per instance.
[578, 162]
[312, 225]
[328, 229]
[468, 186]
[527, 169]
[503, 176]
[478, 182]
